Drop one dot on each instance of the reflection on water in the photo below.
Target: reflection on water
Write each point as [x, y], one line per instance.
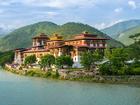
[20, 90]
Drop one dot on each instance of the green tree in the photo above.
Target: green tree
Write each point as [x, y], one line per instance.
[134, 50]
[6, 57]
[97, 56]
[88, 59]
[47, 61]
[105, 69]
[63, 61]
[30, 60]
[117, 61]
[59, 61]
[68, 61]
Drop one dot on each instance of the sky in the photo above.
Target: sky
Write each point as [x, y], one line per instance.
[97, 13]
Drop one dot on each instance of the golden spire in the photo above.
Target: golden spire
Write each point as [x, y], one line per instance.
[85, 32]
[56, 37]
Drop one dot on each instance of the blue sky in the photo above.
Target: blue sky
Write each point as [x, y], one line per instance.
[97, 13]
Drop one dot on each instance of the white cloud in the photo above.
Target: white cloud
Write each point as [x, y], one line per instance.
[1, 11]
[132, 4]
[118, 10]
[52, 14]
[57, 3]
[6, 2]
[100, 26]
[114, 22]
[13, 24]
[49, 14]
[62, 3]
[105, 25]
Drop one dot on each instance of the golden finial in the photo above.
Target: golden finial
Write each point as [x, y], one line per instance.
[85, 32]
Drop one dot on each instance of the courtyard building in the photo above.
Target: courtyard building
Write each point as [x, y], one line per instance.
[57, 46]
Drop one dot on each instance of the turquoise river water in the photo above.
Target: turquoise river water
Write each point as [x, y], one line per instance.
[21, 90]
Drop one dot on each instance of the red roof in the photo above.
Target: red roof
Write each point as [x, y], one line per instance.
[87, 39]
[41, 36]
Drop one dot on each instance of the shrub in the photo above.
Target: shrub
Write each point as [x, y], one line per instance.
[63, 60]
[47, 61]
[30, 60]
[6, 57]
[55, 74]
[47, 74]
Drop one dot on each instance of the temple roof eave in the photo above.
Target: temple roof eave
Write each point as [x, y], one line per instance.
[87, 39]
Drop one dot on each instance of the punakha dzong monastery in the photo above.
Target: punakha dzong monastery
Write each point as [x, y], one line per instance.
[55, 45]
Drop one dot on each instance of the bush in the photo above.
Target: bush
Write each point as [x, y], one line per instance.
[48, 74]
[55, 74]
[105, 69]
[63, 61]
[6, 57]
[31, 73]
[47, 61]
[136, 71]
[30, 60]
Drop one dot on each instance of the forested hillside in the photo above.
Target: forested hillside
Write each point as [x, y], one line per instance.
[22, 37]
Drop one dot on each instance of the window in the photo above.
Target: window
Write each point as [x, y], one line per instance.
[40, 55]
[75, 58]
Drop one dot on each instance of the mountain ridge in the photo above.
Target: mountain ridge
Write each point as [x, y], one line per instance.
[114, 30]
[22, 37]
[124, 36]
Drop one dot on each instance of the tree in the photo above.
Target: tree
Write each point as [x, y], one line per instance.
[117, 61]
[68, 61]
[88, 59]
[6, 57]
[30, 60]
[59, 61]
[47, 61]
[97, 56]
[119, 55]
[63, 60]
[134, 50]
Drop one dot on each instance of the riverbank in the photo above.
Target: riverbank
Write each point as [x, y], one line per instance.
[24, 90]
[76, 76]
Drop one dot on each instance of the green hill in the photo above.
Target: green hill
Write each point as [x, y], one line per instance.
[124, 36]
[120, 27]
[22, 37]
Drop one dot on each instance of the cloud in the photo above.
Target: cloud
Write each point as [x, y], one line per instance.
[49, 14]
[105, 25]
[7, 2]
[52, 14]
[1, 11]
[132, 4]
[92, 12]
[53, 3]
[13, 24]
[100, 26]
[118, 10]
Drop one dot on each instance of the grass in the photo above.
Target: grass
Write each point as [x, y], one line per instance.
[74, 69]
[55, 75]
[40, 73]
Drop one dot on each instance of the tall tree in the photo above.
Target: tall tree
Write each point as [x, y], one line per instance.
[30, 60]
[97, 56]
[117, 58]
[6, 57]
[88, 59]
[63, 60]
[47, 61]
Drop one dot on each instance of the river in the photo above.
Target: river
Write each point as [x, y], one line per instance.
[21, 90]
